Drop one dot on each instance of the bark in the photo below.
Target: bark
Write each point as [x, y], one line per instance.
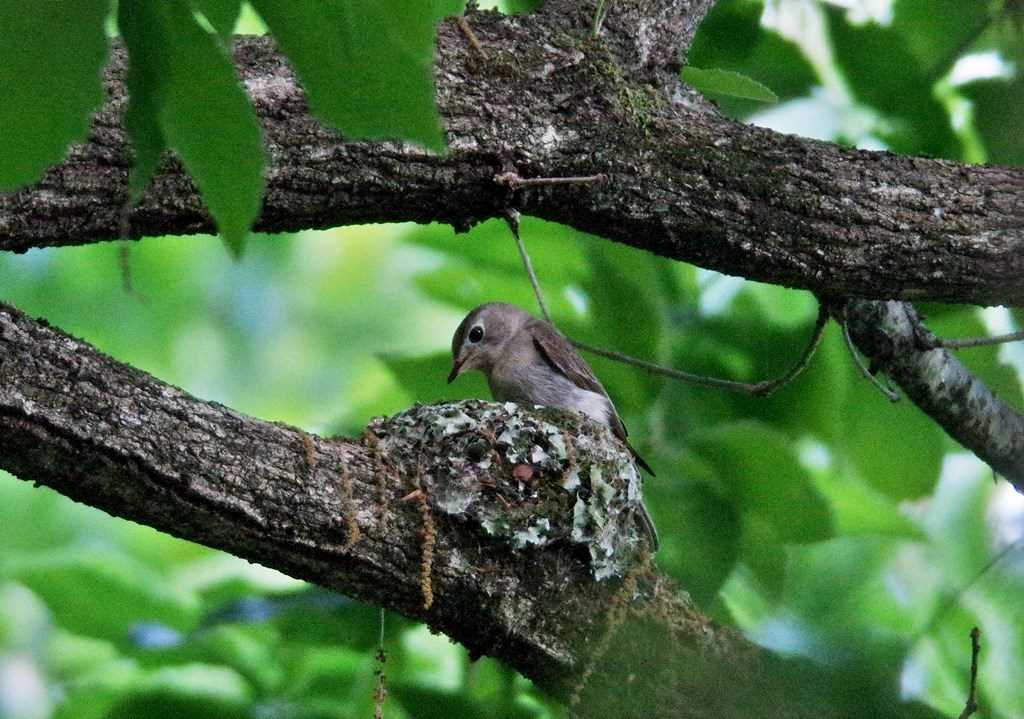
[338, 512]
[549, 101]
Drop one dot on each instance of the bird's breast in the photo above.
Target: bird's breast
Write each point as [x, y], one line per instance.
[539, 384]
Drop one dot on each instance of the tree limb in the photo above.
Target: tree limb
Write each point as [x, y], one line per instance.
[110, 436]
[549, 101]
[893, 336]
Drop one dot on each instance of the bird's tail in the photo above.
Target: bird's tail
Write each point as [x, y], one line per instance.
[643, 518]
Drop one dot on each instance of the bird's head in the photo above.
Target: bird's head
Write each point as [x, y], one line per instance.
[480, 338]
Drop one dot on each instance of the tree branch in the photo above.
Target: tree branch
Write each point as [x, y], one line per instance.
[893, 336]
[511, 568]
[548, 101]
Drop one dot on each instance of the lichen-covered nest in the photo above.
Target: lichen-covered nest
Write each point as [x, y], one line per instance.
[561, 476]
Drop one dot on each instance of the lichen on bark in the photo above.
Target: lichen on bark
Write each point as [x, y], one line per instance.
[587, 495]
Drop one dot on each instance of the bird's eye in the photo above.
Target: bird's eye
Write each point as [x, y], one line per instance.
[476, 334]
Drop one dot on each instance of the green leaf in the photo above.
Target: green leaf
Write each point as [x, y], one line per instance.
[366, 65]
[92, 695]
[221, 14]
[249, 650]
[763, 552]
[519, 7]
[936, 31]
[893, 446]
[996, 105]
[431, 703]
[424, 378]
[70, 655]
[196, 691]
[51, 60]
[727, 82]
[914, 120]
[556, 250]
[102, 594]
[185, 96]
[843, 588]
[700, 531]
[861, 509]
[731, 38]
[761, 475]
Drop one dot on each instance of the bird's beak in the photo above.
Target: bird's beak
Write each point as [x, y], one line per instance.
[456, 369]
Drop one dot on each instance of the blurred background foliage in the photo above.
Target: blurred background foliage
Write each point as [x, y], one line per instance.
[824, 522]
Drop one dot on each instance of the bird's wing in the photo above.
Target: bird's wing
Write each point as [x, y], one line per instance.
[563, 357]
[558, 352]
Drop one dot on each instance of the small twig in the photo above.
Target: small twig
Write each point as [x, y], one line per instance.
[952, 601]
[513, 180]
[959, 344]
[414, 494]
[124, 253]
[972, 702]
[891, 394]
[380, 690]
[512, 219]
[764, 388]
[463, 24]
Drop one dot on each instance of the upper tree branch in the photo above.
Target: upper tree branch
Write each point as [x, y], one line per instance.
[549, 100]
[330, 511]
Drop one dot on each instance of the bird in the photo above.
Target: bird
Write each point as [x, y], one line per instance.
[528, 361]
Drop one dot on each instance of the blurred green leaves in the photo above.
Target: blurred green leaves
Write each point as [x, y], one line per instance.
[101, 593]
[50, 70]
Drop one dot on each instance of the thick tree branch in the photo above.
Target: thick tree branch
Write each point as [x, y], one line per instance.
[549, 100]
[893, 336]
[113, 437]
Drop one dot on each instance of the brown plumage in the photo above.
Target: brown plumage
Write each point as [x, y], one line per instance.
[527, 360]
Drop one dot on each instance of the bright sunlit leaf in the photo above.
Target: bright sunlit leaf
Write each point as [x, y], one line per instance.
[221, 14]
[727, 82]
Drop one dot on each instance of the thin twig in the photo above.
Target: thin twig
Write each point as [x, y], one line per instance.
[890, 394]
[513, 180]
[958, 344]
[512, 218]
[952, 601]
[124, 255]
[380, 690]
[764, 388]
[972, 701]
[471, 36]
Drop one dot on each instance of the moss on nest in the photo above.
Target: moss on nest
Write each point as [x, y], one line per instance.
[581, 485]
